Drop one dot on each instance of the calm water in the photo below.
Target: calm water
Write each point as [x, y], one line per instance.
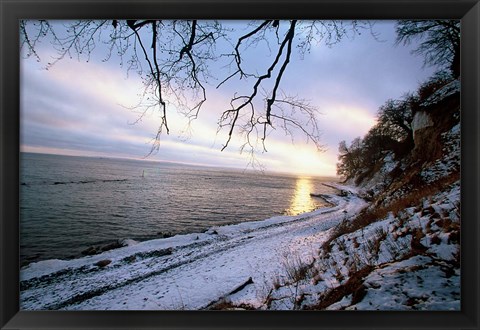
[68, 204]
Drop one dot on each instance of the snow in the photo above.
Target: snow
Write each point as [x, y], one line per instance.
[450, 162]
[381, 178]
[185, 271]
[280, 263]
[449, 89]
[408, 285]
[400, 278]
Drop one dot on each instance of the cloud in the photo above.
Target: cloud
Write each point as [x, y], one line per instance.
[346, 121]
[80, 107]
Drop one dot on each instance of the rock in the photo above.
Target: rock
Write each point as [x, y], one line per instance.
[103, 263]
[164, 235]
[344, 193]
[90, 251]
[420, 120]
[130, 259]
[111, 246]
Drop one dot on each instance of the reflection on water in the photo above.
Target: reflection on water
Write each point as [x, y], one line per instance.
[302, 201]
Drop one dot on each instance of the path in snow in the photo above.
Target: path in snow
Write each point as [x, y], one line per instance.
[186, 271]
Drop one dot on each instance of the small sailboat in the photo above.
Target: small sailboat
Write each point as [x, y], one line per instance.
[143, 174]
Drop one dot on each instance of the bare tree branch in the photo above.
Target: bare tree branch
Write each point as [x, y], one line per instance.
[235, 111]
[155, 72]
[177, 68]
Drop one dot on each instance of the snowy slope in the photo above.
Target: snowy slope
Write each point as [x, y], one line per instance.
[405, 256]
[408, 261]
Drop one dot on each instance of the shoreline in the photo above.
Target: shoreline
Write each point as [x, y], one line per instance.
[234, 253]
[118, 243]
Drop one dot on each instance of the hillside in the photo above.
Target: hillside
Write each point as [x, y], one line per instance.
[402, 251]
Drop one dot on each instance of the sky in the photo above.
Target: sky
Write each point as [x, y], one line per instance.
[84, 108]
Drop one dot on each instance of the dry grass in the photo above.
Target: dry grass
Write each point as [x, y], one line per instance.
[380, 236]
[277, 282]
[316, 279]
[352, 286]
[338, 273]
[342, 246]
[225, 305]
[295, 269]
[355, 243]
[374, 214]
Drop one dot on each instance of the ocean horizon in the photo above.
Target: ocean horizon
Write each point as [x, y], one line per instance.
[70, 204]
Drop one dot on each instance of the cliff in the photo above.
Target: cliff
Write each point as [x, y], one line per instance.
[402, 251]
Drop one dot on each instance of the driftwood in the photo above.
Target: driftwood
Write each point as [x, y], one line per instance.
[237, 289]
[241, 287]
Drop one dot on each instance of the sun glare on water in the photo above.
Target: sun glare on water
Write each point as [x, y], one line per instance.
[301, 200]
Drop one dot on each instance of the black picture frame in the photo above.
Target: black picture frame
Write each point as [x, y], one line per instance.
[10, 13]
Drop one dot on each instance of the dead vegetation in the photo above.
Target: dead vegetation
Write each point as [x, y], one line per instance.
[395, 207]
[225, 305]
[354, 286]
[296, 270]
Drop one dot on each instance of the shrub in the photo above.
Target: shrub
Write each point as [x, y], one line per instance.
[295, 269]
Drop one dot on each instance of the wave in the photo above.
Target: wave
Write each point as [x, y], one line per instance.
[72, 182]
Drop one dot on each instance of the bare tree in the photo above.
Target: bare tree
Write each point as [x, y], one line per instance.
[350, 158]
[440, 41]
[173, 58]
[395, 118]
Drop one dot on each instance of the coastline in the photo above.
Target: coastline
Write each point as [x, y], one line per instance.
[103, 207]
[194, 270]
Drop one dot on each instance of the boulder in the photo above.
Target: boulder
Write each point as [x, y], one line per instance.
[103, 263]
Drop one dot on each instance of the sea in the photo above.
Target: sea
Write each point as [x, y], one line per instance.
[69, 204]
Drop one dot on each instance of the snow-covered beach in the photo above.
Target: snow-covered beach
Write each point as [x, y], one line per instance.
[189, 271]
[286, 262]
